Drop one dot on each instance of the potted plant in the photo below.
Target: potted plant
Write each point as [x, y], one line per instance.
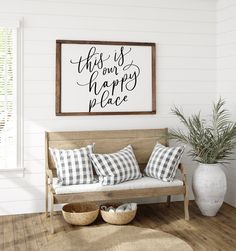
[212, 142]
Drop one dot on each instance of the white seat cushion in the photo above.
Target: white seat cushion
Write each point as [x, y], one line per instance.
[144, 182]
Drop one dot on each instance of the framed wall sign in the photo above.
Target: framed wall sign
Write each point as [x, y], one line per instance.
[105, 78]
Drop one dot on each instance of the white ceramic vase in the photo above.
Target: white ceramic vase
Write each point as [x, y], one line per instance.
[209, 188]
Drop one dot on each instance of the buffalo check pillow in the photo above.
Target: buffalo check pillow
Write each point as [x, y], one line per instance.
[116, 167]
[163, 162]
[73, 166]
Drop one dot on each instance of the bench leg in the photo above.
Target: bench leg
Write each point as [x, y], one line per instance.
[168, 200]
[186, 203]
[46, 202]
[51, 213]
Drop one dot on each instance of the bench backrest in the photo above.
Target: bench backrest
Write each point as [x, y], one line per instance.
[142, 142]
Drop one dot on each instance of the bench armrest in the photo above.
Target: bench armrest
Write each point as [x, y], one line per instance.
[183, 171]
[49, 175]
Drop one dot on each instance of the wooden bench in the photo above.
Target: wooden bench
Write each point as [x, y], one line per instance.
[142, 141]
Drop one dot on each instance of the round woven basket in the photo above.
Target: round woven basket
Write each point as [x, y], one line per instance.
[118, 218]
[80, 213]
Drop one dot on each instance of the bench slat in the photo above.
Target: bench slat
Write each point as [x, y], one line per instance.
[118, 195]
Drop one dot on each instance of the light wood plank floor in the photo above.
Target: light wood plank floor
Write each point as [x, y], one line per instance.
[30, 231]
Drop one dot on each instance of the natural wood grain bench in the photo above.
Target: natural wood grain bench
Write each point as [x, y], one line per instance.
[142, 141]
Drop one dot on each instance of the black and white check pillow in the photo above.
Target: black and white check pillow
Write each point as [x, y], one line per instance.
[163, 162]
[73, 166]
[116, 167]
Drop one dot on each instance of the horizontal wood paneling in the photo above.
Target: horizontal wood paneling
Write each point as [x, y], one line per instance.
[188, 9]
[168, 4]
[105, 23]
[26, 182]
[72, 123]
[36, 139]
[35, 166]
[22, 206]
[35, 192]
[225, 51]
[173, 38]
[225, 63]
[226, 75]
[33, 153]
[226, 13]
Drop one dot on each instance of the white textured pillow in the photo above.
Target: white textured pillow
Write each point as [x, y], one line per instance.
[163, 162]
[116, 167]
[73, 166]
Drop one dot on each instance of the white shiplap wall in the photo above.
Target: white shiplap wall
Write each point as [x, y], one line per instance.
[185, 33]
[226, 68]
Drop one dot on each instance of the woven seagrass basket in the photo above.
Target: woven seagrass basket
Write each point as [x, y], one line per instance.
[118, 218]
[80, 213]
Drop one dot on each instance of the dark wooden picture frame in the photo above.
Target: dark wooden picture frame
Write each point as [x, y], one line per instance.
[64, 50]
